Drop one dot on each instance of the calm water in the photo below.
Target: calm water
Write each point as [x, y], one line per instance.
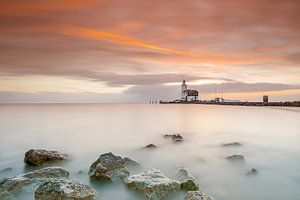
[270, 138]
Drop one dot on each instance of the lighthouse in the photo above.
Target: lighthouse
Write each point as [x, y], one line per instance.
[187, 94]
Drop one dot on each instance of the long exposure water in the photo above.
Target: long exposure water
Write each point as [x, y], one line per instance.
[270, 139]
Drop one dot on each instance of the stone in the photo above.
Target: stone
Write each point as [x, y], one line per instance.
[197, 195]
[80, 172]
[150, 146]
[6, 196]
[187, 181]
[252, 172]
[13, 185]
[109, 167]
[129, 163]
[175, 137]
[239, 158]
[5, 170]
[232, 144]
[38, 156]
[47, 172]
[56, 189]
[153, 184]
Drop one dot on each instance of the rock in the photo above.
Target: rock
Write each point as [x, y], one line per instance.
[39, 157]
[200, 159]
[129, 163]
[47, 172]
[252, 172]
[8, 169]
[197, 195]
[13, 185]
[150, 146]
[187, 182]
[109, 167]
[80, 172]
[6, 196]
[154, 184]
[175, 137]
[232, 144]
[64, 190]
[239, 158]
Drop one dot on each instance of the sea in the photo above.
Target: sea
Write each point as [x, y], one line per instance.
[270, 138]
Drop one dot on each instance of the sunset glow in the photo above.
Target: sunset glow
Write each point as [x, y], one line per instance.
[133, 51]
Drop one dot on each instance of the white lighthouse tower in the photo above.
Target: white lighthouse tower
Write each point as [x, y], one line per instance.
[188, 94]
[183, 91]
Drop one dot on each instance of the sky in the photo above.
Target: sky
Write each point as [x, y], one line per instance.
[120, 51]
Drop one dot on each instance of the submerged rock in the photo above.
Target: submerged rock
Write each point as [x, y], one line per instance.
[187, 181]
[64, 190]
[239, 158]
[153, 184]
[232, 144]
[200, 159]
[39, 156]
[15, 184]
[6, 196]
[80, 172]
[47, 172]
[109, 167]
[150, 146]
[5, 170]
[197, 195]
[129, 163]
[252, 172]
[175, 137]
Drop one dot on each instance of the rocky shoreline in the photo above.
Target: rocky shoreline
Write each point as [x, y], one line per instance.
[51, 183]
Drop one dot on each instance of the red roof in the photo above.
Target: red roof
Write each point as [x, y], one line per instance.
[192, 92]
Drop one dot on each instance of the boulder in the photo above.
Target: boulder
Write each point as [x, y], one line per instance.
[150, 146]
[47, 172]
[5, 170]
[174, 137]
[15, 184]
[109, 167]
[239, 158]
[56, 189]
[187, 181]
[252, 172]
[153, 184]
[232, 144]
[39, 156]
[129, 163]
[197, 195]
[6, 196]
[80, 172]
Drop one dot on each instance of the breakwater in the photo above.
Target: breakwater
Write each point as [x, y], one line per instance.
[286, 104]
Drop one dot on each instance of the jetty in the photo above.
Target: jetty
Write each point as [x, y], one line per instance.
[286, 104]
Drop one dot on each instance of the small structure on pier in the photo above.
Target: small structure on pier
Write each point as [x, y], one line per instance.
[265, 98]
[188, 94]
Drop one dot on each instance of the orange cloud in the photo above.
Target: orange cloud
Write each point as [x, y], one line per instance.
[200, 57]
[116, 38]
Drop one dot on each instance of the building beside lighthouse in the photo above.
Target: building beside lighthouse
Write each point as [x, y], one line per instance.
[187, 94]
